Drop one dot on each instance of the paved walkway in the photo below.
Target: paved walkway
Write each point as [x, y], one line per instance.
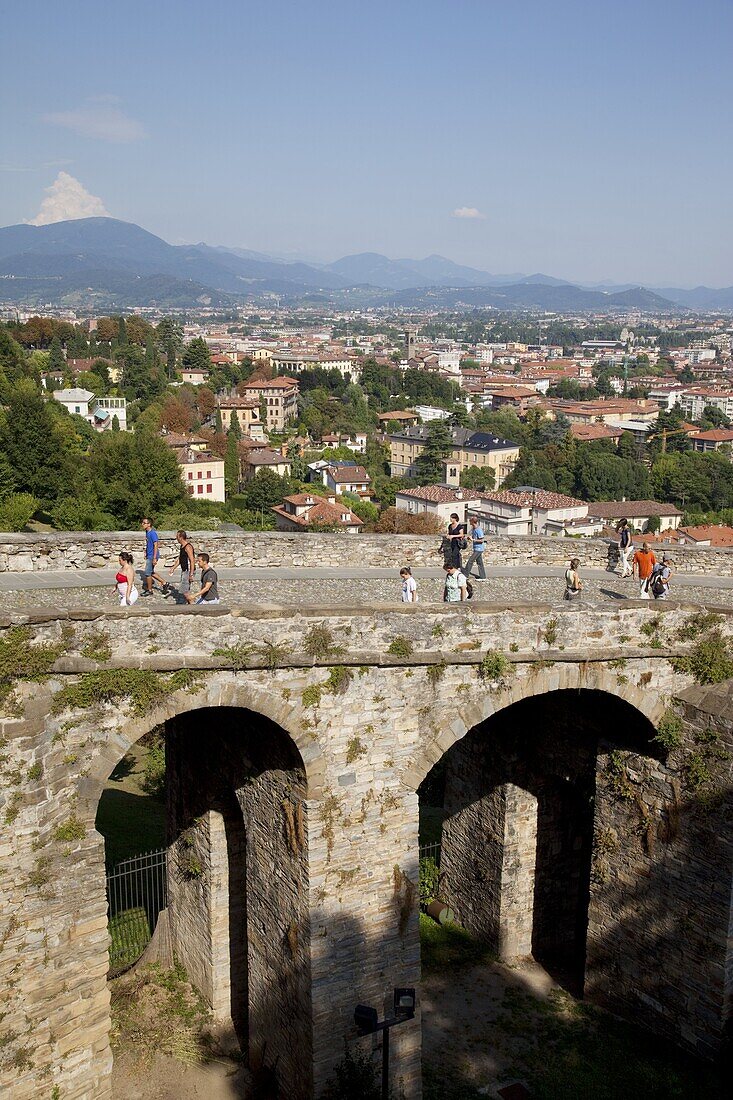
[100, 578]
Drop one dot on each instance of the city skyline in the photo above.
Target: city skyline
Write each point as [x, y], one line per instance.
[586, 144]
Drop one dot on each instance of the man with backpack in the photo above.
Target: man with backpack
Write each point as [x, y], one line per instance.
[625, 547]
[659, 583]
[456, 585]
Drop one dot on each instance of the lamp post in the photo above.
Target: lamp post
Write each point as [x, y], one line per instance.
[368, 1022]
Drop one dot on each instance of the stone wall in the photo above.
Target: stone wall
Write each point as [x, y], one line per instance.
[367, 725]
[20, 553]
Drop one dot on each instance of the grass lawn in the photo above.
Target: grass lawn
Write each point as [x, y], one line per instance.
[130, 820]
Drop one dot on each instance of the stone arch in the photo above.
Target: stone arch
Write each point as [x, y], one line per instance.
[483, 704]
[225, 848]
[220, 689]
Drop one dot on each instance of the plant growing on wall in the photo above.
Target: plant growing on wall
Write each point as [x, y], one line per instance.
[400, 647]
[494, 667]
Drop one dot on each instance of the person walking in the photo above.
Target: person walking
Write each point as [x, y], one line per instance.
[477, 541]
[625, 547]
[152, 553]
[573, 583]
[659, 583]
[409, 585]
[125, 581]
[186, 562]
[456, 534]
[642, 565]
[456, 585]
[209, 592]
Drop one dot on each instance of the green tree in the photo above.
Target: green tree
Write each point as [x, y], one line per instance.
[234, 427]
[652, 525]
[715, 417]
[438, 447]
[196, 355]
[231, 464]
[7, 477]
[121, 332]
[56, 361]
[265, 489]
[28, 440]
[132, 475]
[478, 477]
[16, 511]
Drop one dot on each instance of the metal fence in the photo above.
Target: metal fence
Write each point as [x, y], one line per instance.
[432, 850]
[137, 890]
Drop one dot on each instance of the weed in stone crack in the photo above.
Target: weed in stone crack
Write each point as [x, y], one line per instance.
[339, 678]
[72, 829]
[400, 647]
[97, 647]
[237, 655]
[21, 660]
[144, 690]
[494, 667]
[550, 631]
[12, 807]
[618, 776]
[354, 750]
[319, 642]
[435, 673]
[699, 623]
[669, 730]
[710, 662]
[311, 696]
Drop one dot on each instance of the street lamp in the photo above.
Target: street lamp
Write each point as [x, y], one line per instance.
[368, 1022]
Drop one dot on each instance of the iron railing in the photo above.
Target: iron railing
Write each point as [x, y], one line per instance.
[430, 850]
[137, 890]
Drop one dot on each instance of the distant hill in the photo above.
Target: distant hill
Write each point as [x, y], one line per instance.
[104, 262]
[563, 297]
[700, 297]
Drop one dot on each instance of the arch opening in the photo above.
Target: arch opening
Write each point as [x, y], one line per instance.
[234, 811]
[515, 799]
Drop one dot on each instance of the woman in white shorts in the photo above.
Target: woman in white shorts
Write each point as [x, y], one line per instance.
[125, 581]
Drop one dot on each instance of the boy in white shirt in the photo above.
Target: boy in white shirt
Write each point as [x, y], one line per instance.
[409, 585]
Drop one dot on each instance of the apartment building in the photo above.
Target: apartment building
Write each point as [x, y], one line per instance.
[97, 411]
[470, 449]
[303, 512]
[202, 474]
[530, 511]
[288, 359]
[247, 410]
[280, 400]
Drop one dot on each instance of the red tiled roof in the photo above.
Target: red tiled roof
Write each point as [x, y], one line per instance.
[588, 432]
[540, 498]
[716, 435]
[617, 509]
[440, 494]
[272, 383]
[320, 512]
[715, 535]
[348, 473]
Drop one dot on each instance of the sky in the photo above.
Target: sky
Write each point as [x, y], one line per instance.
[586, 139]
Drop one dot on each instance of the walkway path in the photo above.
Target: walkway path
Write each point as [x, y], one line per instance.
[100, 578]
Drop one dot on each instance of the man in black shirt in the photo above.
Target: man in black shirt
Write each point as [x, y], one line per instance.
[209, 591]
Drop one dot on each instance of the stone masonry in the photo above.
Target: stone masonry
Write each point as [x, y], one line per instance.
[21, 553]
[357, 730]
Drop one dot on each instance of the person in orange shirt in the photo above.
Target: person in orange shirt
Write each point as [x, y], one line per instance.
[642, 565]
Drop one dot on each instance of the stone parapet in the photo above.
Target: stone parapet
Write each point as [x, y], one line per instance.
[29, 553]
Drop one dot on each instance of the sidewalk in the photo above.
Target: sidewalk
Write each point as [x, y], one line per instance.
[101, 578]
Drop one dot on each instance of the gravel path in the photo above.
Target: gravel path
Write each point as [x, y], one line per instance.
[340, 590]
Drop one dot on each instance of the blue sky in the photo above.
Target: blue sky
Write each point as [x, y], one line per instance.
[589, 140]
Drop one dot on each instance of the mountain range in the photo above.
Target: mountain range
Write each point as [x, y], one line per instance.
[106, 263]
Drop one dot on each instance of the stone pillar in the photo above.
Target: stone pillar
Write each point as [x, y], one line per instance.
[517, 873]
[488, 859]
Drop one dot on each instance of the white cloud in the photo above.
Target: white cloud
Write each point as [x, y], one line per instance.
[99, 118]
[468, 212]
[67, 199]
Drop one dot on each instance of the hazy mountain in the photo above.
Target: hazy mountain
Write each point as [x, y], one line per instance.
[700, 297]
[554, 298]
[71, 251]
[103, 260]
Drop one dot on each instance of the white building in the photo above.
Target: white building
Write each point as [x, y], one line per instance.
[431, 412]
[288, 360]
[693, 402]
[202, 474]
[97, 411]
[194, 376]
[437, 500]
[529, 511]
